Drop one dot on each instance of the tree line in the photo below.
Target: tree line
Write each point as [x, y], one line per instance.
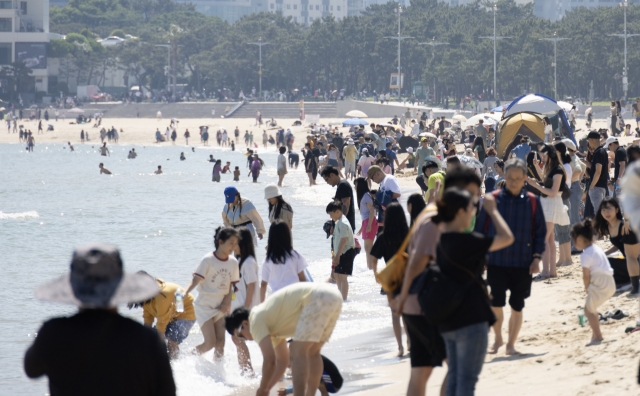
[352, 53]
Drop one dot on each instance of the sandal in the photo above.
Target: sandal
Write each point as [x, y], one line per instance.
[619, 314]
[540, 277]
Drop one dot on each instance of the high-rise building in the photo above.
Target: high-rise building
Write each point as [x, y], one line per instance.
[306, 11]
[24, 35]
[229, 10]
[556, 9]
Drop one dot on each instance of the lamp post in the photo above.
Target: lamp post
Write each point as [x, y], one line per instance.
[433, 44]
[259, 43]
[555, 40]
[399, 38]
[494, 38]
[168, 71]
[625, 80]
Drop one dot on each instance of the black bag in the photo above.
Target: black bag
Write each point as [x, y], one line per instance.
[566, 191]
[441, 295]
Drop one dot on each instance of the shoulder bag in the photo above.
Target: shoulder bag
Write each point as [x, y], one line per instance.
[441, 295]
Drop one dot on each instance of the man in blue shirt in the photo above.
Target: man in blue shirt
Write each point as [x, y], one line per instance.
[391, 155]
[512, 268]
[523, 149]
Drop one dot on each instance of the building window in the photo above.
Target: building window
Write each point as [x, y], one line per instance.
[310, 7]
[317, 8]
[272, 6]
[288, 6]
[295, 19]
[338, 8]
[23, 7]
[331, 8]
[5, 5]
[295, 6]
[5, 24]
[5, 53]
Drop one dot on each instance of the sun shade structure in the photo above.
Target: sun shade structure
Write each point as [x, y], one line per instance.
[354, 121]
[356, 114]
[525, 124]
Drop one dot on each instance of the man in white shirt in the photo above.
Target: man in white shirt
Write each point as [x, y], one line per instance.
[386, 182]
[415, 129]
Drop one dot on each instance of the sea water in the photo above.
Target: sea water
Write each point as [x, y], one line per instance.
[52, 200]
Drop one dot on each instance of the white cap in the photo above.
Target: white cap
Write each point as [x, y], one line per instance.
[409, 150]
[610, 140]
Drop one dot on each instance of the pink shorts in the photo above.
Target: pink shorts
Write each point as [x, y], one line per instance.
[374, 230]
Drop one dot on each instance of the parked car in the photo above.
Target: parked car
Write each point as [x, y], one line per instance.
[111, 41]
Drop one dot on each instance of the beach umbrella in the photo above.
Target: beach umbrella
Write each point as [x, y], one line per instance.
[356, 114]
[459, 118]
[564, 105]
[488, 118]
[354, 121]
[428, 134]
[75, 110]
[2, 109]
[470, 162]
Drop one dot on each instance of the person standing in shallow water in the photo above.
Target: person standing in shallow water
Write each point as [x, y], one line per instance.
[238, 212]
[215, 276]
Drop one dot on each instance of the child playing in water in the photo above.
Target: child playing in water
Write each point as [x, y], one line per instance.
[236, 174]
[214, 277]
[343, 247]
[597, 275]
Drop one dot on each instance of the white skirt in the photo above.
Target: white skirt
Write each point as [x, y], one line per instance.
[207, 306]
[555, 211]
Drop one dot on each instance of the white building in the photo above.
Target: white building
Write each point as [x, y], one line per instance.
[24, 34]
[306, 11]
[556, 9]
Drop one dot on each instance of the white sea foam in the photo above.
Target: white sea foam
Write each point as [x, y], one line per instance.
[19, 216]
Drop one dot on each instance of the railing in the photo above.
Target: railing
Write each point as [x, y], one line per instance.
[234, 109]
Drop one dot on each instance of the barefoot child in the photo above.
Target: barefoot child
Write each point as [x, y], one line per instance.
[214, 277]
[597, 274]
[247, 290]
[236, 174]
[343, 247]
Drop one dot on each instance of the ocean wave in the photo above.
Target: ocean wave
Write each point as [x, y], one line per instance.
[19, 216]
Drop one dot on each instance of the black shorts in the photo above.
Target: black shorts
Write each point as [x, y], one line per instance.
[516, 280]
[427, 345]
[346, 262]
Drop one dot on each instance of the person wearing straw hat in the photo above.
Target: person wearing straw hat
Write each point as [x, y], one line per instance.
[97, 351]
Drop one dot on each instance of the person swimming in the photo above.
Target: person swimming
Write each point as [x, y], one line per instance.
[159, 170]
[182, 157]
[103, 169]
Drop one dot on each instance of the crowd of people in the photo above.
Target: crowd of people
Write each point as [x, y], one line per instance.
[508, 213]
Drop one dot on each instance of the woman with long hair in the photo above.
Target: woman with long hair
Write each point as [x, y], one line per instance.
[386, 246]
[562, 232]
[514, 142]
[478, 149]
[369, 227]
[279, 209]
[214, 277]
[283, 266]
[548, 130]
[238, 212]
[466, 330]
[555, 212]
[415, 206]
[533, 170]
[610, 222]
[247, 292]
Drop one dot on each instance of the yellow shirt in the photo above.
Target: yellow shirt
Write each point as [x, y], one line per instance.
[349, 153]
[278, 315]
[163, 307]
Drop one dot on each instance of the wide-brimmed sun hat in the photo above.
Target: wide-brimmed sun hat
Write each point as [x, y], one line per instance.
[97, 280]
[271, 191]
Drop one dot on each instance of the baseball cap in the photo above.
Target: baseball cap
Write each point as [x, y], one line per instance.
[610, 140]
[97, 280]
[230, 194]
[409, 150]
[424, 139]
[373, 169]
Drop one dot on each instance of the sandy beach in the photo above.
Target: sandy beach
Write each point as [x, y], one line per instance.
[554, 360]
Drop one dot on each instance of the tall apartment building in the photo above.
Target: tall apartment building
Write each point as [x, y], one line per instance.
[556, 9]
[24, 35]
[229, 10]
[306, 11]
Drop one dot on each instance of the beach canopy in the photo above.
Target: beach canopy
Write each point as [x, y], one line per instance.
[533, 103]
[354, 121]
[525, 124]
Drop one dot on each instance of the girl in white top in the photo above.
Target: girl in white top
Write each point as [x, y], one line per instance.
[548, 131]
[597, 275]
[214, 277]
[283, 266]
[246, 290]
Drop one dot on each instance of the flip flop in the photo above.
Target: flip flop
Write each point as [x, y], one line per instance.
[540, 277]
[619, 314]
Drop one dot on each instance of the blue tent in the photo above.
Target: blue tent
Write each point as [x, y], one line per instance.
[354, 121]
[544, 105]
